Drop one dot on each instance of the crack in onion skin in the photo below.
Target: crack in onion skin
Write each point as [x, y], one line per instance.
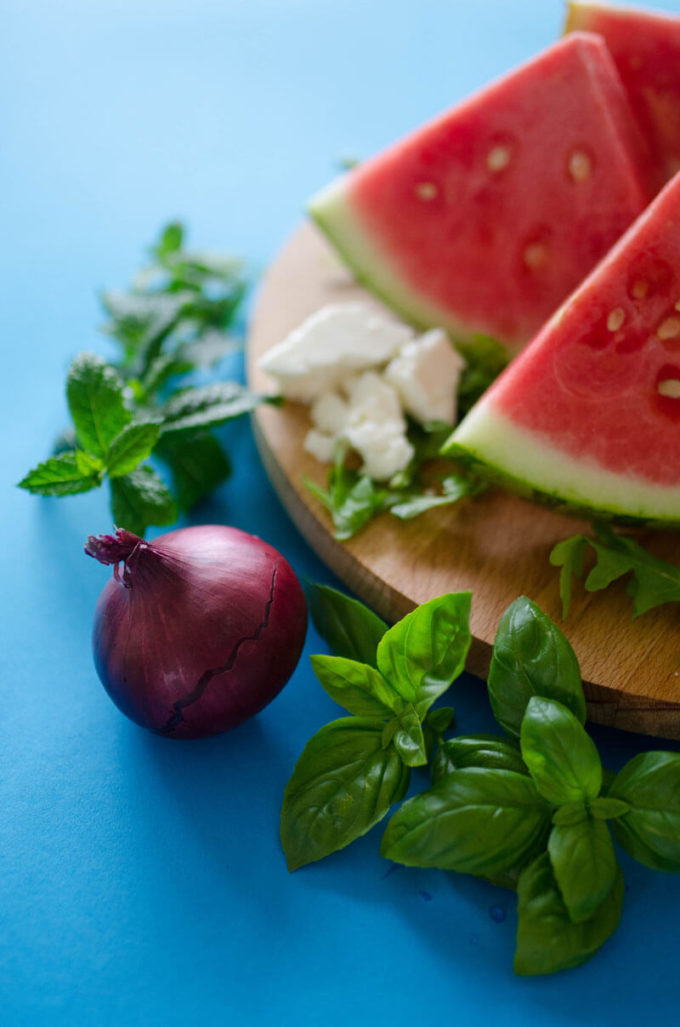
[203, 627]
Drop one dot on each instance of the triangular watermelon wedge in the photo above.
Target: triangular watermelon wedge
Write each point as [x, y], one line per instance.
[483, 221]
[645, 46]
[589, 414]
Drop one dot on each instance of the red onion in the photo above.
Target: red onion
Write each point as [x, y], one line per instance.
[200, 630]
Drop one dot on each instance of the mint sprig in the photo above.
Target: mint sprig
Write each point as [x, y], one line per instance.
[534, 811]
[174, 321]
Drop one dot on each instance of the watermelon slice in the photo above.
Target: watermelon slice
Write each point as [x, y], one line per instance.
[589, 413]
[646, 50]
[483, 221]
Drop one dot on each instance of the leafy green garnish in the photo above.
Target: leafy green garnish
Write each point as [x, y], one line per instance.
[652, 582]
[535, 812]
[175, 320]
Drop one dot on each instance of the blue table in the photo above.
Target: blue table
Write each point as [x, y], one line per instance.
[141, 880]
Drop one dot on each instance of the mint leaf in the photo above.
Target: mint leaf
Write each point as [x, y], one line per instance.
[95, 399]
[132, 445]
[584, 863]
[531, 656]
[650, 831]
[207, 406]
[350, 628]
[547, 939]
[140, 499]
[426, 650]
[171, 239]
[561, 756]
[66, 474]
[344, 782]
[652, 583]
[198, 465]
[474, 820]
[358, 687]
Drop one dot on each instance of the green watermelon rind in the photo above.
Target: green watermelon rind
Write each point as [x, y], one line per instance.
[332, 212]
[493, 447]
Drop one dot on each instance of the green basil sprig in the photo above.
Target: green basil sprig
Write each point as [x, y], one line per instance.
[354, 769]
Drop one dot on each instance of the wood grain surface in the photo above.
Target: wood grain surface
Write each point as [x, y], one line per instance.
[496, 545]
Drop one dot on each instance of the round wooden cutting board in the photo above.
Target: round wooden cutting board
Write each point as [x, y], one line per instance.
[496, 545]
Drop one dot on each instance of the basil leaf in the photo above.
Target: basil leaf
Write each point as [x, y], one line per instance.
[606, 808]
[650, 832]
[207, 406]
[349, 627]
[547, 940]
[475, 820]
[406, 734]
[198, 465]
[561, 756]
[132, 445]
[66, 474]
[95, 399]
[343, 784]
[140, 499]
[425, 651]
[584, 864]
[531, 656]
[361, 689]
[571, 813]
[476, 751]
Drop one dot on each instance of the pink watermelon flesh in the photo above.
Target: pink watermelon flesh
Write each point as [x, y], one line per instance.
[486, 219]
[646, 50]
[597, 392]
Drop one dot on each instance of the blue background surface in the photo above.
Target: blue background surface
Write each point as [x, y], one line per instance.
[141, 880]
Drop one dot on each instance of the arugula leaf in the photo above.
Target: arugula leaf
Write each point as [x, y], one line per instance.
[489, 751]
[198, 465]
[547, 939]
[650, 831]
[652, 583]
[358, 687]
[132, 445]
[475, 820]
[343, 783]
[350, 628]
[584, 863]
[66, 474]
[453, 487]
[95, 399]
[531, 656]
[485, 360]
[351, 499]
[562, 758]
[426, 650]
[139, 499]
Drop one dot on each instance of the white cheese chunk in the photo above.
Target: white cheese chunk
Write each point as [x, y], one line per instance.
[376, 427]
[425, 375]
[338, 340]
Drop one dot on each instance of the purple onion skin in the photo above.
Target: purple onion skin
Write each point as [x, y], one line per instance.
[203, 628]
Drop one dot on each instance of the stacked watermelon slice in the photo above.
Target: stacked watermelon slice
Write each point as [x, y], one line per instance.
[531, 213]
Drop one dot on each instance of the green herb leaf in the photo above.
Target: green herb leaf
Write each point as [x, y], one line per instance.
[650, 831]
[531, 656]
[197, 463]
[584, 863]
[571, 813]
[140, 499]
[652, 583]
[351, 499]
[349, 627]
[415, 502]
[207, 406]
[485, 359]
[132, 445]
[547, 939]
[490, 751]
[64, 475]
[474, 820]
[607, 808]
[406, 734]
[171, 240]
[358, 687]
[561, 756]
[95, 398]
[343, 784]
[425, 651]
